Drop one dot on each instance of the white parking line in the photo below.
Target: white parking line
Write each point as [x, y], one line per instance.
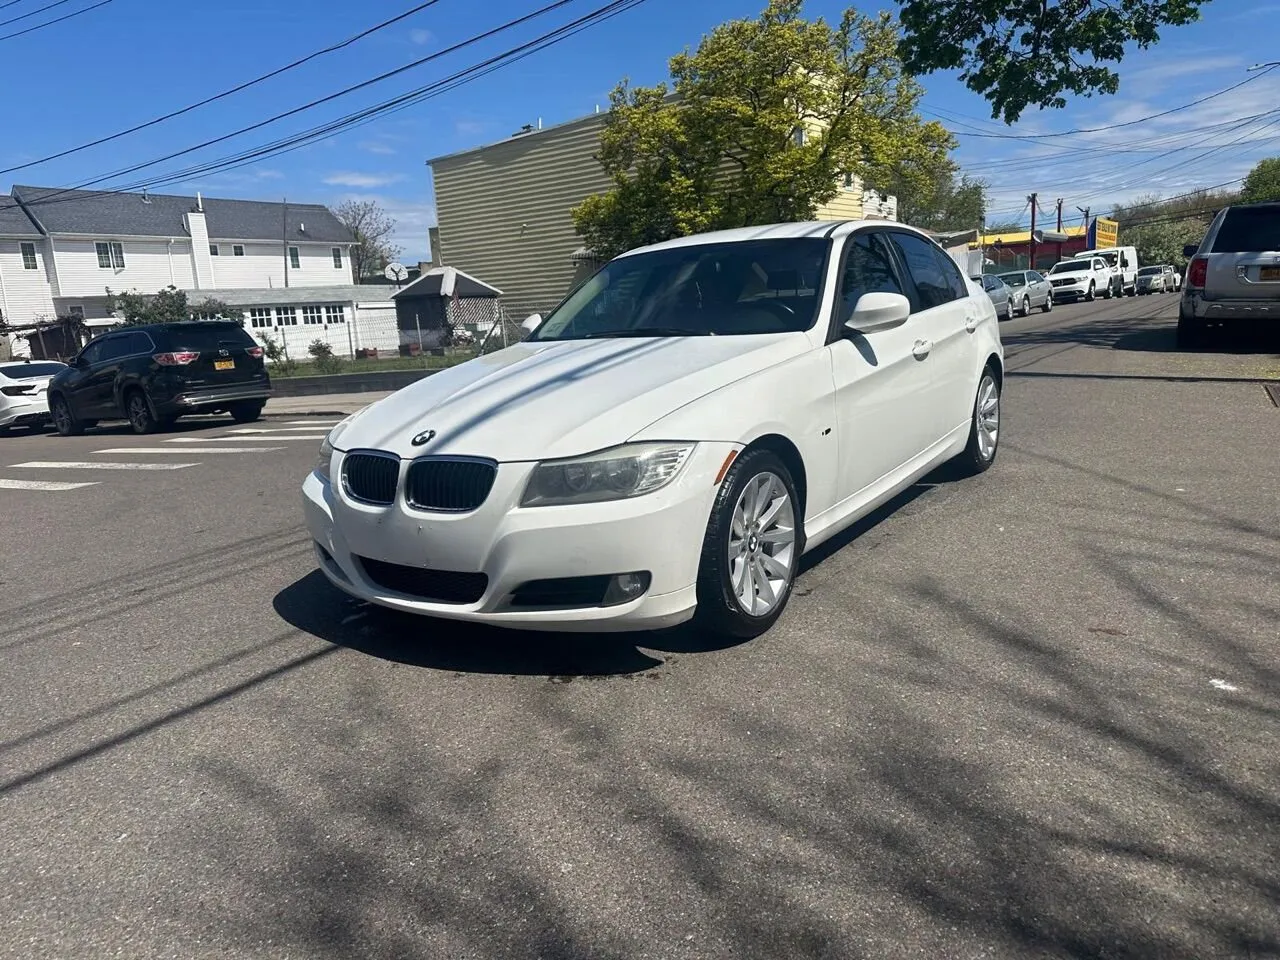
[203, 450]
[43, 485]
[249, 430]
[91, 465]
[316, 437]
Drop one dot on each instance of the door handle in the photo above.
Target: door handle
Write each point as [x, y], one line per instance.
[921, 349]
[971, 323]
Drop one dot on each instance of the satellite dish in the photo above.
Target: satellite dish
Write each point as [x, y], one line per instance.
[396, 272]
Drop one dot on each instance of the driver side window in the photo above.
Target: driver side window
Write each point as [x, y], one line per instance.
[868, 268]
[92, 353]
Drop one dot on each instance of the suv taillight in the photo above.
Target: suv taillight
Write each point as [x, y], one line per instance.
[255, 352]
[1198, 272]
[175, 359]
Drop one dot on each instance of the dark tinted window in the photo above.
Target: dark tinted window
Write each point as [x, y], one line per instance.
[137, 342]
[113, 347]
[868, 268]
[202, 337]
[93, 352]
[1249, 230]
[24, 371]
[935, 284]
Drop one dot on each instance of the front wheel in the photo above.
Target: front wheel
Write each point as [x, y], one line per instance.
[64, 420]
[1025, 309]
[751, 551]
[1048, 304]
[1089, 297]
[984, 426]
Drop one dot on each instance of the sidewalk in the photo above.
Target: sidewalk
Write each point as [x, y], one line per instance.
[326, 404]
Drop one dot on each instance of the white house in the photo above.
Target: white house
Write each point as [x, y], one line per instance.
[63, 251]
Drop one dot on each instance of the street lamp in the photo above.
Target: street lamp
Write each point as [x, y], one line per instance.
[1262, 66]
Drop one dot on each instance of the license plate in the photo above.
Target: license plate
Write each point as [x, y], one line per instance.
[1269, 273]
[224, 364]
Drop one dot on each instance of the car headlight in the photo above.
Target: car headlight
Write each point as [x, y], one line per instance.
[631, 470]
[327, 446]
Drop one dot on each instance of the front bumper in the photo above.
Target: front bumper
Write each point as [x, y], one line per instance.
[1075, 288]
[24, 411]
[660, 533]
[1230, 310]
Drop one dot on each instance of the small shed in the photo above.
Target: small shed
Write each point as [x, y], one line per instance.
[439, 304]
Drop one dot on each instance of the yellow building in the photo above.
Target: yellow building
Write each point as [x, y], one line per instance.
[504, 210]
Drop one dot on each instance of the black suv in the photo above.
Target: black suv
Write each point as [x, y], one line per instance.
[153, 374]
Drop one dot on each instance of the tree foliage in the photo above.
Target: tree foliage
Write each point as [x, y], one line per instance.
[373, 228]
[168, 306]
[1159, 229]
[759, 125]
[1020, 53]
[942, 201]
[1262, 183]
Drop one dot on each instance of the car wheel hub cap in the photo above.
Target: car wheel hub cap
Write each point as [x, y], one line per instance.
[986, 417]
[762, 542]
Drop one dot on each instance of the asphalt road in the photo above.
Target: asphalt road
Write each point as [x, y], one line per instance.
[1029, 714]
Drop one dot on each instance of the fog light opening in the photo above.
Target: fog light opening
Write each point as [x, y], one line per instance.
[625, 587]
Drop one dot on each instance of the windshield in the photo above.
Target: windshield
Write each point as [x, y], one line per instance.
[712, 289]
[27, 371]
[1014, 279]
[1072, 266]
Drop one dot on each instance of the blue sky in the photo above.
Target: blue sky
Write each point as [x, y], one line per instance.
[131, 60]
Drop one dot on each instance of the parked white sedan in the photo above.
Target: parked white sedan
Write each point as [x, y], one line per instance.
[24, 397]
[671, 439]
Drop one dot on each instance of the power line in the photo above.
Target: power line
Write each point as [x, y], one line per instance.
[333, 96]
[47, 6]
[366, 115]
[50, 23]
[225, 93]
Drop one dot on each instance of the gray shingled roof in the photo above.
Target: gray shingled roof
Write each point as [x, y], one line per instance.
[13, 222]
[161, 215]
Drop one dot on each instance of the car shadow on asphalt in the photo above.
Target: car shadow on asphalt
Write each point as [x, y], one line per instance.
[1251, 338]
[313, 605]
[115, 428]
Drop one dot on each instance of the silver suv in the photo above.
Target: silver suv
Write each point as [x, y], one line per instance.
[1234, 275]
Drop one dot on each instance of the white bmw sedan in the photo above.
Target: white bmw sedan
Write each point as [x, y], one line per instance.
[24, 397]
[671, 439]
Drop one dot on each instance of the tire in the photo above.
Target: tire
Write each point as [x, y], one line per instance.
[1048, 304]
[1191, 332]
[1025, 309]
[726, 554]
[1108, 293]
[1091, 295]
[246, 411]
[64, 420]
[137, 409]
[984, 426]
[1008, 310]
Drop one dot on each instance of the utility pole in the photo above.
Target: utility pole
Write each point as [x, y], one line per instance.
[1031, 263]
[1085, 211]
[1059, 227]
[284, 235]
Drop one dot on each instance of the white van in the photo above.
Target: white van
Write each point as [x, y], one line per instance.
[1124, 262]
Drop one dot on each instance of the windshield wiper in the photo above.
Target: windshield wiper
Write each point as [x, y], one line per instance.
[647, 332]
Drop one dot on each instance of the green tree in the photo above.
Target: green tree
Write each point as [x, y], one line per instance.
[1020, 53]
[1262, 183]
[759, 125]
[167, 306]
[1159, 229]
[213, 308]
[942, 202]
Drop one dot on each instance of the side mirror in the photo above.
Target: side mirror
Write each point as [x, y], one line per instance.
[531, 323]
[79, 362]
[878, 311]
[1190, 250]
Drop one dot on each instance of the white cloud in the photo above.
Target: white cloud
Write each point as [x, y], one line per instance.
[376, 146]
[470, 127]
[362, 180]
[413, 219]
[421, 37]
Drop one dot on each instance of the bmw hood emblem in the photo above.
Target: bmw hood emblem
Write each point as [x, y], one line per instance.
[424, 437]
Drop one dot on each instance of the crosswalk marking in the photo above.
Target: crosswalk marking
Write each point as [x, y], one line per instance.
[203, 450]
[311, 423]
[93, 465]
[263, 430]
[43, 485]
[273, 439]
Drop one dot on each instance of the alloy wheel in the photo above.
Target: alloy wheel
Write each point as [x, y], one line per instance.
[986, 417]
[139, 415]
[762, 542]
[61, 415]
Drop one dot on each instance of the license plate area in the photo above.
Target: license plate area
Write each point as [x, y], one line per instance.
[1269, 274]
[224, 364]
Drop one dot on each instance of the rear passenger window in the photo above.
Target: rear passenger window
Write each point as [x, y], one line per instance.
[868, 268]
[937, 278]
[1249, 230]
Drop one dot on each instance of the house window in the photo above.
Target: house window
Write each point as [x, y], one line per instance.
[337, 258]
[797, 135]
[76, 310]
[294, 260]
[335, 314]
[237, 250]
[110, 255]
[29, 256]
[848, 181]
[213, 249]
[260, 316]
[312, 315]
[286, 316]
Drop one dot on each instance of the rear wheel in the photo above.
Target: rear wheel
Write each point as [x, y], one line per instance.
[64, 420]
[1191, 331]
[138, 410]
[1008, 309]
[246, 411]
[984, 426]
[751, 551]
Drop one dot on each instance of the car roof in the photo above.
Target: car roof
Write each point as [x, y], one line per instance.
[822, 229]
[172, 325]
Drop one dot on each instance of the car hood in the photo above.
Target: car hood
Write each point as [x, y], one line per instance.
[543, 400]
[1070, 274]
